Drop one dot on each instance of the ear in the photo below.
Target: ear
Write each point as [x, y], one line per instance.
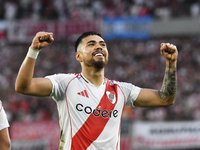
[78, 56]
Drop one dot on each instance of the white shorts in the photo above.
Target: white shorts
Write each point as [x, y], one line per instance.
[3, 119]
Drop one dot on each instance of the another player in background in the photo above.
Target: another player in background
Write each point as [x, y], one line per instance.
[89, 105]
[5, 143]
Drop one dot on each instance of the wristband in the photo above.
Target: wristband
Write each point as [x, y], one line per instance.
[32, 53]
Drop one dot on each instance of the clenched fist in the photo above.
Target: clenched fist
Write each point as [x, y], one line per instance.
[41, 40]
[169, 51]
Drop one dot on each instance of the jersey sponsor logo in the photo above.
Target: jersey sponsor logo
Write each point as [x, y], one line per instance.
[111, 96]
[97, 111]
[83, 93]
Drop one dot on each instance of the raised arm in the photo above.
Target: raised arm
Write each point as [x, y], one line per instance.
[25, 83]
[166, 95]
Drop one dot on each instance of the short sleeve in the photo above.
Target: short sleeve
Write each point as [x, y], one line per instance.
[133, 96]
[58, 91]
[130, 91]
[59, 84]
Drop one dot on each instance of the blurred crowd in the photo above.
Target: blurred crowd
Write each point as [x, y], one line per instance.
[94, 9]
[135, 61]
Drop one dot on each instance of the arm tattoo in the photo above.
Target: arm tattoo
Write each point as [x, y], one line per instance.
[169, 83]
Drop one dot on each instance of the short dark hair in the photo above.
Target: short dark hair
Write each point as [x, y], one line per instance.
[85, 34]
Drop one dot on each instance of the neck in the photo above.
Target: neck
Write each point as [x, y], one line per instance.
[95, 76]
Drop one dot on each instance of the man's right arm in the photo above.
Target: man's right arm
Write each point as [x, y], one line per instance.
[25, 83]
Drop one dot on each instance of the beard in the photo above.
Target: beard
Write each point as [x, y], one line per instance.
[96, 64]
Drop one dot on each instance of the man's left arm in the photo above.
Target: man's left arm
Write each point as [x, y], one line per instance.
[166, 95]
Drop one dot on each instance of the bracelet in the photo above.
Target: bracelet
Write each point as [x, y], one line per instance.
[32, 53]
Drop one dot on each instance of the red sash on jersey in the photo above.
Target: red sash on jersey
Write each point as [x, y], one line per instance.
[93, 126]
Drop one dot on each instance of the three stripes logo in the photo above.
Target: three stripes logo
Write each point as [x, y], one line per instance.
[83, 93]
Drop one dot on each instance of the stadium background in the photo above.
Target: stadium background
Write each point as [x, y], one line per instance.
[133, 30]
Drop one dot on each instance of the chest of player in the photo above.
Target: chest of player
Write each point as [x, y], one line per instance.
[84, 99]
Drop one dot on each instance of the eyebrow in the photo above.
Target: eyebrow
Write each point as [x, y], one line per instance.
[92, 41]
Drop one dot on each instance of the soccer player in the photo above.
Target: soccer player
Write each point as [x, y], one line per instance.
[4, 133]
[89, 105]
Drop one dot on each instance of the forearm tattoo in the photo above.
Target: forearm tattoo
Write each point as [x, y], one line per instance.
[169, 83]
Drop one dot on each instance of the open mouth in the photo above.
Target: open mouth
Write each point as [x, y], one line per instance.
[98, 54]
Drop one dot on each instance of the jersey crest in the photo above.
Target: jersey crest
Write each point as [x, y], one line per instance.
[111, 96]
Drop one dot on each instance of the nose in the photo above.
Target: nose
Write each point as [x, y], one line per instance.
[98, 47]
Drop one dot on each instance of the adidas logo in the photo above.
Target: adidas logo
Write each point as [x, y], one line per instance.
[83, 93]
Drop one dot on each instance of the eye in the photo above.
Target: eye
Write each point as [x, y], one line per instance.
[91, 44]
[103, 44]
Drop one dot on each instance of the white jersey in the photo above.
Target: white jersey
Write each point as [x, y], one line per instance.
[3, 119]
[90, 117]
